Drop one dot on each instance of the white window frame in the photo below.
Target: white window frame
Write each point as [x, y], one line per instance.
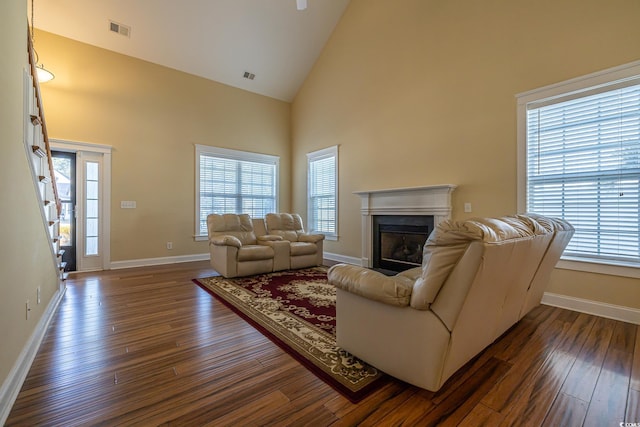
[571, 87]
[329, 152]
[227, 153]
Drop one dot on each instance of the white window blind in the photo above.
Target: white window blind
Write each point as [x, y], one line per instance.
[230, 181]
[583, 165]
[322, 191]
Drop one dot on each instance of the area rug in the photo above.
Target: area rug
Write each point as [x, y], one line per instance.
[296, 309]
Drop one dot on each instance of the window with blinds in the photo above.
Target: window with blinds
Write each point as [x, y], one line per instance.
[583, 165]
[230, 181]
[322, 189]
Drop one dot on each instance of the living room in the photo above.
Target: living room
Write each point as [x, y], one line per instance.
[422, 94]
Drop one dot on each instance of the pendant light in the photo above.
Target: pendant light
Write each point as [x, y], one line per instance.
[44, 75]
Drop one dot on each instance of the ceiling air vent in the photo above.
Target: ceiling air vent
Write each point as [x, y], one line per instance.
[119, 28]
[248, 75]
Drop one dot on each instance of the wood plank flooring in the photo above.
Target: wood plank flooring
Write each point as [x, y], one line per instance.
[146, 346]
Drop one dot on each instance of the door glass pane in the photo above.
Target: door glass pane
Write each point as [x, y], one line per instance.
[92, 171]
[91, 246]
[92, 226]
[93, 208]
[92, 190]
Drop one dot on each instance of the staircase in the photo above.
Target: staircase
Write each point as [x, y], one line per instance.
[39, 151]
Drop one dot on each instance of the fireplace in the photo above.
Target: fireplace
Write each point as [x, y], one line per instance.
[432, 201]
[398, 241]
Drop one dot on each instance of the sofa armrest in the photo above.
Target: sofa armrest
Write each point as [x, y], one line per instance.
[225, 240]
[395, 290]
[281, 252]
[310, 238]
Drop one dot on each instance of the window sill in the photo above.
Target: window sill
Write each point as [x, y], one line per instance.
[612, 268]
[200, 238]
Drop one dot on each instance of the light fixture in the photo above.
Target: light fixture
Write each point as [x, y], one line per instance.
[301, 4]
[43, 74]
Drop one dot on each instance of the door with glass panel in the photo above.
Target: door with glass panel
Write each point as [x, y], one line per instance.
[90, 211]
[64, 165]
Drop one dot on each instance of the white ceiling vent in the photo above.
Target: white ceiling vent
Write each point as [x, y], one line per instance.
[119, 28]
[248, 75]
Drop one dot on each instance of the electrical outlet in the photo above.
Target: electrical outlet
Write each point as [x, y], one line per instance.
[467, 207]
[38, 293]
[28, 309]
[169, 245]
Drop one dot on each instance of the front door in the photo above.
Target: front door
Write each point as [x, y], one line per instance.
[64, 165]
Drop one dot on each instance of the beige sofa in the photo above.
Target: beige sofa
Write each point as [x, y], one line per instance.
[242, 246]
[306, 250]
[478, 278]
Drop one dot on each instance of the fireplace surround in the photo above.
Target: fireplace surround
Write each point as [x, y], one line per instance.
[433, 202]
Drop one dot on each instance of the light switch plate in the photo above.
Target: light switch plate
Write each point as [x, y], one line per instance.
[128, 204]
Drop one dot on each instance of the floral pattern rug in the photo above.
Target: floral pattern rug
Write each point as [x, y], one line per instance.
[297, 310]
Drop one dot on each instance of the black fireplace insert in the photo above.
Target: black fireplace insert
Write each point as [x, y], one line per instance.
[398, 240]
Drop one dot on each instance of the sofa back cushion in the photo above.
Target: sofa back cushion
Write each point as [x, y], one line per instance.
[287, 225]
[449, 242]
[237, 225]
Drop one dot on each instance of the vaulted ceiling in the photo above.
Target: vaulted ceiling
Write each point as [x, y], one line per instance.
[219, 40]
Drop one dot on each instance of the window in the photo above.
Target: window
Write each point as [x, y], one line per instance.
[582, 161]
[322, 192]
[230, 181]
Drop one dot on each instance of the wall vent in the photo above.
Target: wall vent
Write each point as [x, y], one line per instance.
[123, 30]
[248, 75]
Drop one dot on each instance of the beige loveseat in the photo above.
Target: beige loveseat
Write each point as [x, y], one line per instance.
[241, 246]
[478, 278]
[305, 248]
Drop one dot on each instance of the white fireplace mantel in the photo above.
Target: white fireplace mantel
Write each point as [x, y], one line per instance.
[428, 200]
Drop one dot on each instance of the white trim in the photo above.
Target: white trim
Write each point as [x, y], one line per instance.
[621, 72]
[596, 308]
[73, 146]
[599, 267]
[13, 383]
[342, 258]
[105, 150]
[145, 262]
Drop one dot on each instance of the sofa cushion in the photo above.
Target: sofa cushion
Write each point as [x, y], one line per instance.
[284, 224]
[303, 248]
[255, 253]
[237, 225]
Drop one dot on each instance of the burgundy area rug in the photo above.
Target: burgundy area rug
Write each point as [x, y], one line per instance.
[296, 309]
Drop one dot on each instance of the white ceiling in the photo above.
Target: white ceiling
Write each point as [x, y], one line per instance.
[215, 39]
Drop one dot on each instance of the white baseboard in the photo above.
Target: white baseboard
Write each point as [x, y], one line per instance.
[610, 311]
[12, 385]
[342, 258]
[115, 265]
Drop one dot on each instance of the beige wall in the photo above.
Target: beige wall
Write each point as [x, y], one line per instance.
[26, 262]
[421, 92]
[152, 116]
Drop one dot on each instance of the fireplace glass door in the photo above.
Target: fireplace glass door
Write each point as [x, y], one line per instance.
[398, 241]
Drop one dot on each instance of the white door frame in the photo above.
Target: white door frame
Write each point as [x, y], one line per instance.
[92, 151]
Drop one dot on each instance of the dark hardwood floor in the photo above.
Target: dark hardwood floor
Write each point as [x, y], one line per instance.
[148, 347]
